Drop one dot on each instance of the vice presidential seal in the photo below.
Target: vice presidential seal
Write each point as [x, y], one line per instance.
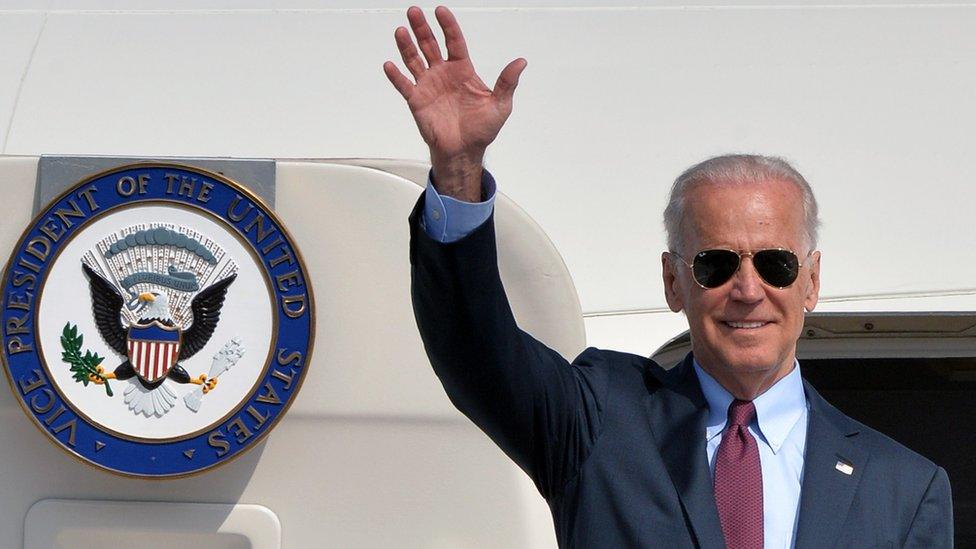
[157, 320]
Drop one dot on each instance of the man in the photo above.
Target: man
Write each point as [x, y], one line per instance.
[730, 448]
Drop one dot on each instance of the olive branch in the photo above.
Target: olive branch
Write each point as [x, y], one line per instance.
[82, 366]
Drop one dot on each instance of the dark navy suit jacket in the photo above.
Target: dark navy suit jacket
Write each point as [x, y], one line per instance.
[616, 444]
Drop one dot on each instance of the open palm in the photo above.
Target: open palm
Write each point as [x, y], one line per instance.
[457, 114]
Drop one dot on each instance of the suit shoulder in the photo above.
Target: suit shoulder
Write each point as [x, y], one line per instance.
[617, 361]
[630, 374]
[897, 454]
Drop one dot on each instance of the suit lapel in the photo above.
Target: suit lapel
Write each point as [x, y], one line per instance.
[827, 492]
[677, 412]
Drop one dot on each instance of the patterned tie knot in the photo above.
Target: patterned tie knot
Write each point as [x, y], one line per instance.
[741, 412]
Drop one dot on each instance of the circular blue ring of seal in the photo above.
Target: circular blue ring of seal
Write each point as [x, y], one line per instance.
[153, 183]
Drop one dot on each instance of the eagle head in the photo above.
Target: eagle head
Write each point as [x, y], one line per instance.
[153, 305]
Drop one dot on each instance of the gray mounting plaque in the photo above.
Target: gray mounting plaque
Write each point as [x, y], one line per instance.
[57, 173]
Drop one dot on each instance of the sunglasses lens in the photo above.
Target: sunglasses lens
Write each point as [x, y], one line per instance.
[712, 268]
[777, 267]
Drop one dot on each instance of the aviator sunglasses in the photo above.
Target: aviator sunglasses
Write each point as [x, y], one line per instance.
[778, 267]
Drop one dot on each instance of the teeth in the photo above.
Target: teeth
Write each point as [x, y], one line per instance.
[746, 325]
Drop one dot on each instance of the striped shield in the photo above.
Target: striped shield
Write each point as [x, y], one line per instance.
[153, 349]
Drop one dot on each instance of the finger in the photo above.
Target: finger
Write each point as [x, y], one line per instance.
[400, 82]
[425, 37]
[409, 53]
[457, 49]
[508, 79]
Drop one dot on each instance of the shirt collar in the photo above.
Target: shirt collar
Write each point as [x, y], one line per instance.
[777, 410]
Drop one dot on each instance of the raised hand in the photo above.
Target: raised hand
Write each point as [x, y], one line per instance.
[457, 114]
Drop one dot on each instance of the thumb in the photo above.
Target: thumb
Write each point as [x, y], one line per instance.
[508, 79]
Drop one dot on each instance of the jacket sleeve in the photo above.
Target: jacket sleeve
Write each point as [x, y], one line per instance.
[543, 412]
[932, 525]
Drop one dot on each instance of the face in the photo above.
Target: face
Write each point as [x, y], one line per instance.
[744, 332]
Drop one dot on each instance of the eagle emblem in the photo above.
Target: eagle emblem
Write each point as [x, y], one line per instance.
[137, 289]
[157, 266]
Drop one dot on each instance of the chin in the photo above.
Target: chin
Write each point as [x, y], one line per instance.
[751, 362]
[750, 358]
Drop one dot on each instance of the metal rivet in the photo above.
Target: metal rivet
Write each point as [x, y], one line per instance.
[811, 333]
[868, 325]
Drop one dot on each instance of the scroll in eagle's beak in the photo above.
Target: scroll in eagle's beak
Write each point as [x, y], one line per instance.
[147, 297]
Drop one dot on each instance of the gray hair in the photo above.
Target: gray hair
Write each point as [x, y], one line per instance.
[737, 169]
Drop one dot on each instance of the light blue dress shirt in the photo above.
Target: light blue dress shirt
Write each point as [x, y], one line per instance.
[780, 430]
[447, 219]
[780, 427]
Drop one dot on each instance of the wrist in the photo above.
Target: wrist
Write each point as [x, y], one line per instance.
[458, 175]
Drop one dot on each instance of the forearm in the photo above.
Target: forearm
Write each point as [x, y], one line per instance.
[467, 326]
[505, 381]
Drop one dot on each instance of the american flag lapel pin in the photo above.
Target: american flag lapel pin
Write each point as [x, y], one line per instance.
[845, 468]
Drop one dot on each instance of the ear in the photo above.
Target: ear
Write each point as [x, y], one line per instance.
[672, 286]
[813, 291]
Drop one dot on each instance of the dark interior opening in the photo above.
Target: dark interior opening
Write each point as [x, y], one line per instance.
[926, 404]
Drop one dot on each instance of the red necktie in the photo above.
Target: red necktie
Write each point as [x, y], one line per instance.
[738, 481]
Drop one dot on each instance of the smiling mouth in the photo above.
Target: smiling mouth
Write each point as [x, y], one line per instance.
[745, 325]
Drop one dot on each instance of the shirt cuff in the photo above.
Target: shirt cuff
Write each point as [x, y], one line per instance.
[447, 219]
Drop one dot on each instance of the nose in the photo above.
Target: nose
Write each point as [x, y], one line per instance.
[747, 287]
